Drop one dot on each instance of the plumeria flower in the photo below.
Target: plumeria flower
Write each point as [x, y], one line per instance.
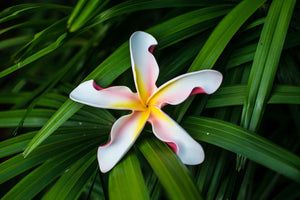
[146, 105]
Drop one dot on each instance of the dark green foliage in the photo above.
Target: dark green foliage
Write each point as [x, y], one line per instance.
[249, 128]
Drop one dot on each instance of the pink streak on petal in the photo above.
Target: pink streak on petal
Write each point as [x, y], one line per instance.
[163, 105]
[151, 48]
[97, 87]
[180, 88]
[115, 97]
[151, 71]
[106, 144]
[141, 48]
[114, 92]
[197, 90]
[151, 80]
[123, 134]
[173, 146]
[167, 130]
[119, 94]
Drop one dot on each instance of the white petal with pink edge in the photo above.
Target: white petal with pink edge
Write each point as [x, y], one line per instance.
[123, 134]
[180, 88]
[117, 97]
[144, 66]
[164, 128]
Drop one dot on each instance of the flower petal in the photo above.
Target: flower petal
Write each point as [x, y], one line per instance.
[164, 128]
[123, 134]
[180, 88]
[144, 66]
[117, 97]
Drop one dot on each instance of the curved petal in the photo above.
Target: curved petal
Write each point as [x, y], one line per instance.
[164, 128]
[117, 97]
[123, 134]
[180, 88]
[144, 66]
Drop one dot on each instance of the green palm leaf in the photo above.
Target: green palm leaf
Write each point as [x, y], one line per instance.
[47, 49]
[236, 139]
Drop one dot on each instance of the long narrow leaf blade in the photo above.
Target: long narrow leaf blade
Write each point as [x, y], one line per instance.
[236, 139]
[223, 33]
[169, 170]
[126, 180]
